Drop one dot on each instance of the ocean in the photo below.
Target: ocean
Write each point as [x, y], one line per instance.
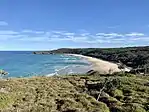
[26, 64]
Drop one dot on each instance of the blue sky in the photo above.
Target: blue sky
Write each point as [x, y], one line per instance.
[51, 24]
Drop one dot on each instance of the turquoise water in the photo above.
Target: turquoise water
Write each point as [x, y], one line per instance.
[24, 64]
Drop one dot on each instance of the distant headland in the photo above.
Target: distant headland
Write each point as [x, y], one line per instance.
[134, 57]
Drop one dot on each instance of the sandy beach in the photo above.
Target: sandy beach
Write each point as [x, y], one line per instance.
[99, 65]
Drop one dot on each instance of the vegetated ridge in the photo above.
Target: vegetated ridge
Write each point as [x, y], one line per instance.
[135, 57]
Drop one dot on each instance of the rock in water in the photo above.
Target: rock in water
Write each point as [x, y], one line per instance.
[2, 72]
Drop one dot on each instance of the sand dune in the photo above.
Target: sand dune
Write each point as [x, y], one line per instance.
[99, 65]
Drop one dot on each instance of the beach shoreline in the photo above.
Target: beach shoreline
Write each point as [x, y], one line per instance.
[102, 66]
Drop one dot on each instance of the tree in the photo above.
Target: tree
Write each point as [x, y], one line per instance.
[108, 85]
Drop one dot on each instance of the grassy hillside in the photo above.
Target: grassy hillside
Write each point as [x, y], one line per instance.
[75, 94]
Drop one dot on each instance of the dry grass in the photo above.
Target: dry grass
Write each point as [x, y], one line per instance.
[45, 94]
[74, 94]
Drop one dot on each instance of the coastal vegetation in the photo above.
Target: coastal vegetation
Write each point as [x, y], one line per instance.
[135, 57]
[91, 92]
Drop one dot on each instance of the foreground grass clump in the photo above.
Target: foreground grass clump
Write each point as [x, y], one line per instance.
[75, 94]
[5, 100]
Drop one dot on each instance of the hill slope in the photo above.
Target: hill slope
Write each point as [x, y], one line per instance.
[74, 94]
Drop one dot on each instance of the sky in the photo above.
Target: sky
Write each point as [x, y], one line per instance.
[52, 24]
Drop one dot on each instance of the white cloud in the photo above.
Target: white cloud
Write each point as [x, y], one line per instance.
[119, 39]
[3, 23]
[85, 34]
[100, 34]
[110, 34]
[39, 32]
[140, 39]
[112, 27]
[33, 31]
[68, 34]
[27, 31]
[9, 37]
[77, 37]
[58, 32]
[134, 34]
[34, 39]
[8, 32]
[48, 34]
[54, 36]
[120, 35]
[80, 38]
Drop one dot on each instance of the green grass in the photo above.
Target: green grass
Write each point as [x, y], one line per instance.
[5, 100]
[74, 94]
